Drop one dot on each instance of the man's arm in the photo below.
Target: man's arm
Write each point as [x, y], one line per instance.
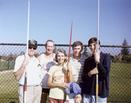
[19, 72]
[104, 66]
[93, 71]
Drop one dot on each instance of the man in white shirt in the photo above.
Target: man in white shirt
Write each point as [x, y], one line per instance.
[28, 70]
[46, 61]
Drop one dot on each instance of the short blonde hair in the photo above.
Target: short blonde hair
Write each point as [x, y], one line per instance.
[60, 50]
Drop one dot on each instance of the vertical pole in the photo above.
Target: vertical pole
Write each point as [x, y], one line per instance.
[66, 76]
[70, 43]
[27, 39]
[98, 26]
[28, 24]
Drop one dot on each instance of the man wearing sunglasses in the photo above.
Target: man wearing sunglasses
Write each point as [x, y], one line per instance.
[27, 66]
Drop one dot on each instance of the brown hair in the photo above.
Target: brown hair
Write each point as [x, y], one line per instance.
[49, 41]
[77, 43]
[92, 40]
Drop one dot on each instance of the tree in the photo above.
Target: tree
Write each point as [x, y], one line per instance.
[126, 57]
[125, 50]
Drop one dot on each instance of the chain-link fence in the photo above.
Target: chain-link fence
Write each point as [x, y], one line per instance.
[120, 74]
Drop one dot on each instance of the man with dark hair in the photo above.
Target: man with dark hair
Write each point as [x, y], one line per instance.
[77, 58]
[27, 66]
[77, 61]
[99, 63]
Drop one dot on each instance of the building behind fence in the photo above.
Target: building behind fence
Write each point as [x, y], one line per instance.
[120, 74]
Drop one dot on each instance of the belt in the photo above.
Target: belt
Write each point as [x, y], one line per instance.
[30, 85]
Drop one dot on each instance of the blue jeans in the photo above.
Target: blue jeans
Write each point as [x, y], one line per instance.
[91, 99]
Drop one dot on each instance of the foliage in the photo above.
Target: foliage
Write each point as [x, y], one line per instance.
[127, 58]
[6, 65]
[124, 56]
[125, 50]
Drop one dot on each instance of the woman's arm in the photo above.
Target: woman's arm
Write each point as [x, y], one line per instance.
[53, 85]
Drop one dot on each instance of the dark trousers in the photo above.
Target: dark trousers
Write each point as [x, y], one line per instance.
[45, 94]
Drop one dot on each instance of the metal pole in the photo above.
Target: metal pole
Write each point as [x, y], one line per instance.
[27, 37]
[98, 34]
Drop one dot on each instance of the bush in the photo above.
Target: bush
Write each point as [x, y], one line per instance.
[127, 58]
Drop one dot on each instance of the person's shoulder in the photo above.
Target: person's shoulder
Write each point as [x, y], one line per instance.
[54, 55]
[72, 59]
[20, 57]
[71, 55]
[53, 68]
[54, 65]
[35, 58]
[105, 54]
[85, 55]
[89, 58]
[87, 52]
[42, 55]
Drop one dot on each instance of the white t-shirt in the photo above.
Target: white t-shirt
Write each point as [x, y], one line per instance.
[46, 64]
[58, 77]
[33, 71]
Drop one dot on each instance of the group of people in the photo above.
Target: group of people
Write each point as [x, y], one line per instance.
[54, 77]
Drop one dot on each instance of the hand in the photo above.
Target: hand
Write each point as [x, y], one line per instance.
[97, 56]
[78, 98]
[64, 85]
[26, 59]
[67, 68]
[93, 71]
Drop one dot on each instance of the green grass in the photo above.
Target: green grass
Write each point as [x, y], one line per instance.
[120, 84]
[6, 65]
[8, 87]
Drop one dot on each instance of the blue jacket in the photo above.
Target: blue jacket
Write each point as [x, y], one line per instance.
[89, 83]
[73, 89]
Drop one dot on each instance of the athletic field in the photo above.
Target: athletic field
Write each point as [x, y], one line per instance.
[120, 85]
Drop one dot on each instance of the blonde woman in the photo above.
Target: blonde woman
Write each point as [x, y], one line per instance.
[57, 74]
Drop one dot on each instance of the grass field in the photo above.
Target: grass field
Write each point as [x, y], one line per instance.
[120, 84]
[8, 87]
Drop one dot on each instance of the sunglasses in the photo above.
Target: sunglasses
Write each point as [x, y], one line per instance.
[30, 47]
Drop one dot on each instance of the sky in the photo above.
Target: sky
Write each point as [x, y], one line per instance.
[51, 19]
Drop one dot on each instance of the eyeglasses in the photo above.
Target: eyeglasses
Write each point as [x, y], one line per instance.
[32, 48]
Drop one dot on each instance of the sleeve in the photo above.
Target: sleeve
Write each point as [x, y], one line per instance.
[88, 65]
[104, 66]
[84, 73]
[40, 58]
[18, 62]
[51, 71]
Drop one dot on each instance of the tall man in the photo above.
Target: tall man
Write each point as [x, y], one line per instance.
[99, 63]
[28, 66]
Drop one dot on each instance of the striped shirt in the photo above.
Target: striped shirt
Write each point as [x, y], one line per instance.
[77, 67]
